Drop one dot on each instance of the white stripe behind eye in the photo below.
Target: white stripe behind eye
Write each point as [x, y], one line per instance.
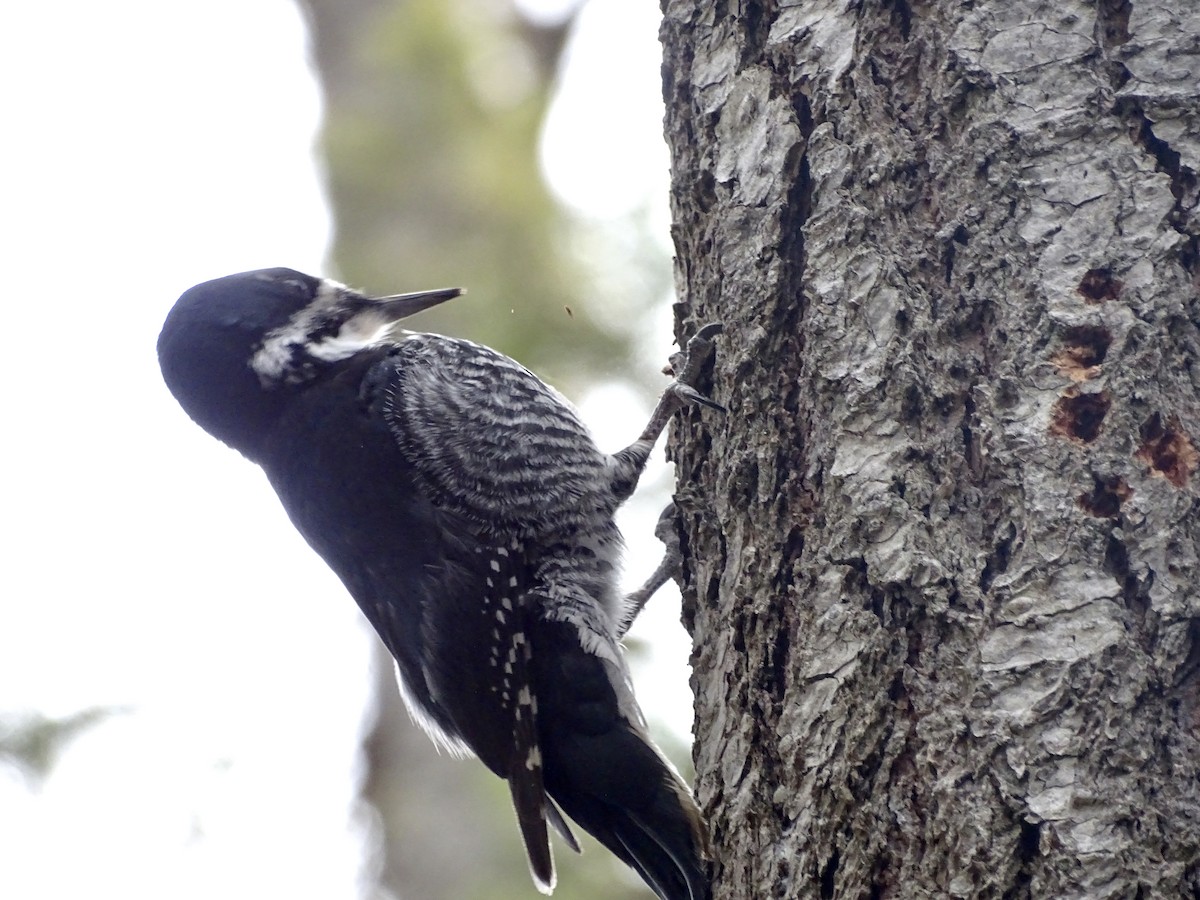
[285, 350]
[363, 330]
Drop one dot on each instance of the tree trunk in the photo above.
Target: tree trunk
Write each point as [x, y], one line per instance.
[943, 568]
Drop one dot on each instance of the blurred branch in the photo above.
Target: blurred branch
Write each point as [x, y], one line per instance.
[31, 743]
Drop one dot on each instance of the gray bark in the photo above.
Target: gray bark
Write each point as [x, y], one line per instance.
[943, 575]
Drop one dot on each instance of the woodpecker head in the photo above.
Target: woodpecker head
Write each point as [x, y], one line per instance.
[232, 349]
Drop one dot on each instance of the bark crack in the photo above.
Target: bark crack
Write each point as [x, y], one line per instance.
[1134, 592]
[1112, 32]
[1183, 181]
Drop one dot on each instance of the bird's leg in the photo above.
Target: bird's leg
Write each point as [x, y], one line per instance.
[685, 366]
[629, 463]
[670, 568]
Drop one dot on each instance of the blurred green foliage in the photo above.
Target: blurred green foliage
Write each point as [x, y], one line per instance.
[433, 114]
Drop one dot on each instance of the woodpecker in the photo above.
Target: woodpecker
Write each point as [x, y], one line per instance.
[469, 513]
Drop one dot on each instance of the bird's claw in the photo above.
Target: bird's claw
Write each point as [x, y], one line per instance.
[686, 395]
[686, 365]
[706, 333]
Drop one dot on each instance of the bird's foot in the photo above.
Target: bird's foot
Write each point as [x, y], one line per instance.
[686, 366]
[670, 569]
[680, 393]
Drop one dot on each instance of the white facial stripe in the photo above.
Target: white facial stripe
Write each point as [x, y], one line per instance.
[275, 361]
[363, 330]
[271, 361]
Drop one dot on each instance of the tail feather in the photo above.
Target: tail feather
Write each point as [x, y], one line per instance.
[529, 800]
[664, 862]
[560, 825]
[526, 778]
[534, 809]
[656, 840]
[603, 771]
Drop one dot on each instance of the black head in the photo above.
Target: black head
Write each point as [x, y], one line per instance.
[233, 349]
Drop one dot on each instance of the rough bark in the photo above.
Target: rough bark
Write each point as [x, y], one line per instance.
[943, 575]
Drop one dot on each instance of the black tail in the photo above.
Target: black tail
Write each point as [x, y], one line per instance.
[637, 808]
[603, 771]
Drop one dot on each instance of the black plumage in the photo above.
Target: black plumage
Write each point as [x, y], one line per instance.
[469, 513]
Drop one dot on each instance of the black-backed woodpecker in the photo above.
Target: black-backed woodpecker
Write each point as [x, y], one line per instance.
[469, 513]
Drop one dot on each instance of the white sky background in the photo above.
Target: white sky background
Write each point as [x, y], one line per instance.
[148, 146]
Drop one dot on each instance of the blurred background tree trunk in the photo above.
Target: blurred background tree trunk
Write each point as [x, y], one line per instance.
[433, 114]
[943, 573]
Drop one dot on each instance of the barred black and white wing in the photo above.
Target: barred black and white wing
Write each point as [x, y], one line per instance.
[525, 469]
[491, 440]
[521, 485]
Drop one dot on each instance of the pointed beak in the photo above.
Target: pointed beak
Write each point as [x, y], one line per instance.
[401, 306]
